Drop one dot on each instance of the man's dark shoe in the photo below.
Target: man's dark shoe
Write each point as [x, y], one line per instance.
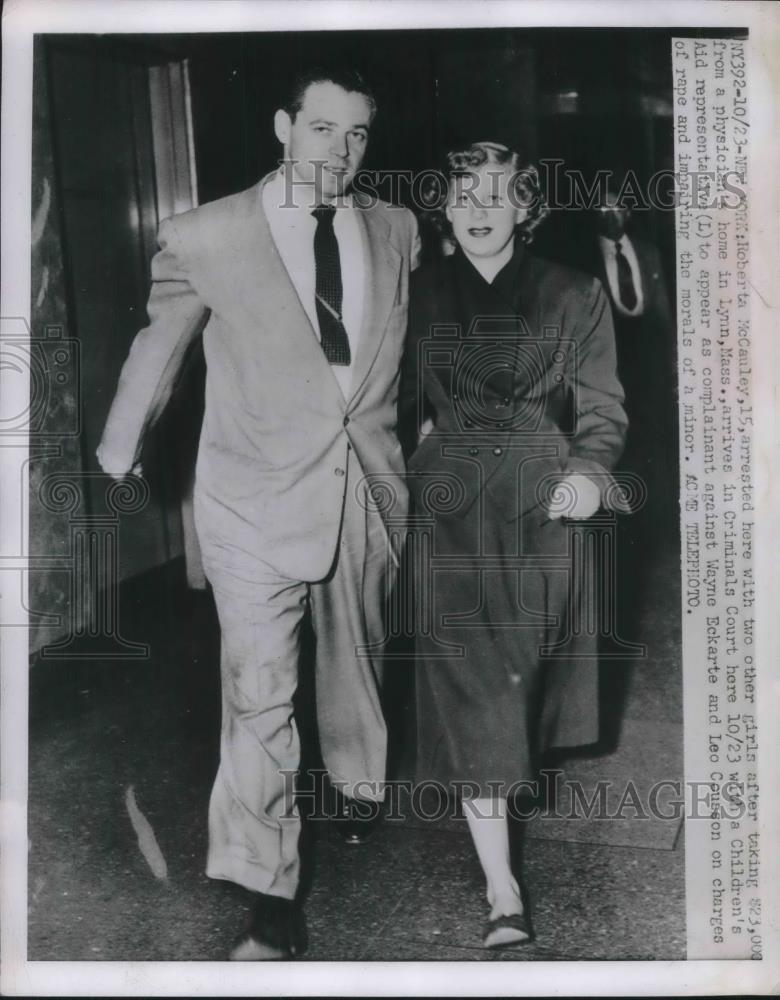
[355, 819]
[277, 931]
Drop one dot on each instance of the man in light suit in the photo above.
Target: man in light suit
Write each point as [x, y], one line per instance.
[301, 292]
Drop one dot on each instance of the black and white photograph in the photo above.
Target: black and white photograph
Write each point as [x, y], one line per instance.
[386, 510]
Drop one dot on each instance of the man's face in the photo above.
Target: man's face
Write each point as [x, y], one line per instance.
[327, 138]
[481, 210]
[611, 219]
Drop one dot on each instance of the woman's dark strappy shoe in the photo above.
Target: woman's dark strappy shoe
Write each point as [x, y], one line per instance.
[508, 931]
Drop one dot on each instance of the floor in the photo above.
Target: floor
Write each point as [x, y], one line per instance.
[122, 755]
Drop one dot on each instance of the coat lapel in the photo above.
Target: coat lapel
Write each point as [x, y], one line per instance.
[383, 264]
[645, 270]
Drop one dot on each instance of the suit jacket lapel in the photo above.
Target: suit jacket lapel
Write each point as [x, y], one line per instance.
[258, 276]
[645, 269]
[383, 264]
[601, 271]
[262, 281]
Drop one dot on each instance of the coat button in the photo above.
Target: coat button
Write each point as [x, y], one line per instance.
[339, 471]
[345, 421]
[498, 451]
[505, 401]
[473, 451]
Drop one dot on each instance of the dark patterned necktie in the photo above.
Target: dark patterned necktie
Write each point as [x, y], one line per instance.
[626, 289]
[333, 336]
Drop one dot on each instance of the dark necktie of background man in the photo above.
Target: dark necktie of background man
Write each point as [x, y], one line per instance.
[626, 289]
[329, 291]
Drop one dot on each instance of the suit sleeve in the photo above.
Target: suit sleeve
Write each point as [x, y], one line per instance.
[176, 316]
[598, 397]
[414, 257]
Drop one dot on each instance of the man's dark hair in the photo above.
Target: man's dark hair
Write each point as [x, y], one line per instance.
[348, 79]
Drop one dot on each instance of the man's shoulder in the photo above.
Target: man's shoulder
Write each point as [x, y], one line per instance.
[214, 216]
[395, 216]
[645, 250]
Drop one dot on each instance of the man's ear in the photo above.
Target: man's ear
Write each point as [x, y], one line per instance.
[448, 212]
[282, 126]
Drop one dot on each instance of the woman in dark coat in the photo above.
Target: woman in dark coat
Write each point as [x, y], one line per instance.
[513, 360]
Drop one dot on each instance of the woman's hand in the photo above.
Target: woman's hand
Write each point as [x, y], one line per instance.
[576, 497]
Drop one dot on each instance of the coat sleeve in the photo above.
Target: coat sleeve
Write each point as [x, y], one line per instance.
[176, 316]
[601, 421]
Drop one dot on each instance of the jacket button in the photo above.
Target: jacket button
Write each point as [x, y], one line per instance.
[498, 451]
[339, 471]
[505, 401]
[345, 421]
[473, 451]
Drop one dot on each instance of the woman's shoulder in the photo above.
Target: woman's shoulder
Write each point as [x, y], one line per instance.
[433, 271]
[436, 276]
[560, 286]
[561, 275]
[431, 289]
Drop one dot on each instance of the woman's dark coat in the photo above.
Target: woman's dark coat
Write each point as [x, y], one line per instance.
[519, 377]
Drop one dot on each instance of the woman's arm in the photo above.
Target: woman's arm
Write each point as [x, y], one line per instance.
[598, 395]
[601, 421]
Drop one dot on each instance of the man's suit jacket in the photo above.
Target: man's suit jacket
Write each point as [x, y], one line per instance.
[276, 429]
[647, 362]
[656, 319]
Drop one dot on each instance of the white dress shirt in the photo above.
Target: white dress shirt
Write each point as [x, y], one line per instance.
[609, 253]
[292, 228]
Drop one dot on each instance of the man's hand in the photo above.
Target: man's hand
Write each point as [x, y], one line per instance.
[114, 467]
[576, 497]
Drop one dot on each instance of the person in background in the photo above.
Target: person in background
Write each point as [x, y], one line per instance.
[514, 358]
[629, 268]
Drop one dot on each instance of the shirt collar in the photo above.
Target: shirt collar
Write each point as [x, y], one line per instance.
[287, 199]
[505, 278]
[611, 245]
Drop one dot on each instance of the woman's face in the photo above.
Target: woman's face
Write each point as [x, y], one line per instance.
[483, 211]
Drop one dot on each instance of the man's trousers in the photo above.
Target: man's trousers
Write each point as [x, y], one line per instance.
[253, 822]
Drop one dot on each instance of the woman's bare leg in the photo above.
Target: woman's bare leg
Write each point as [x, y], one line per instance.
[487, 820]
